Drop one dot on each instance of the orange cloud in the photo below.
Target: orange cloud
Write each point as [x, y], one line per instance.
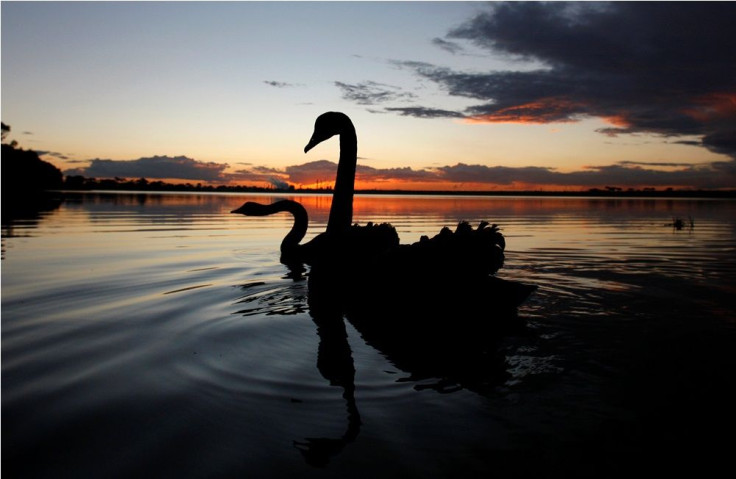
[619, 120]
[544, 110]
[713, 107]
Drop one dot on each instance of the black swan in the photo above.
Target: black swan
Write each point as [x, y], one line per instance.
[366, 265]
[369, 239]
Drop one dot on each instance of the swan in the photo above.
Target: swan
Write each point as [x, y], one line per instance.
[470, 249]
[451, 262]
[341, 238]
[369, 239]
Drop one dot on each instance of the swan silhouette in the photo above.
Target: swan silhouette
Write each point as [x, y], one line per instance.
[370, 239]
[341, 239]
[452, 262]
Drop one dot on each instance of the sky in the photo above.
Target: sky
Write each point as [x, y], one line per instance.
[444, 95]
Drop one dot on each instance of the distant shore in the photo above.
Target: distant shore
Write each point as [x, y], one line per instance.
[719, 194]
[588, 193]
[80, 183]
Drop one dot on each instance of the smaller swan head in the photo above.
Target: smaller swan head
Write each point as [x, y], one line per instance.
[326, 126]
[250, 209]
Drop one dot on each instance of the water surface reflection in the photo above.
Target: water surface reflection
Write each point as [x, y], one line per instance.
[159, 335]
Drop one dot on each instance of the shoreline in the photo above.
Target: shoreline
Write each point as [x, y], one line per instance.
[674, 194]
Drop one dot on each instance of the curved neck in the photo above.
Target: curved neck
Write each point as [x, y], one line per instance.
[341, 211]
[298, 229]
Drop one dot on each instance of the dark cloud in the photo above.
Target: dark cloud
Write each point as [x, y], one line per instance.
[716, 175]
[179, 167]
[661, 68]
[55, 154]
[723, 141]
[260, 174]
[371, 93]
[248, 176]
[688, 142]
[279, 84]
[452, 47]
[367, 173]
[423, 112]
[656, 163]
[311, 172]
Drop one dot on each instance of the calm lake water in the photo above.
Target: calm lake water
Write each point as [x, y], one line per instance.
[157, 335]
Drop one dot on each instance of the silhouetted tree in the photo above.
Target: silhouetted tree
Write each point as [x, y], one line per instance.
[24, 174]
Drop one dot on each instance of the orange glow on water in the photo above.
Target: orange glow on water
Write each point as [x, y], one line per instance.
[366, 207]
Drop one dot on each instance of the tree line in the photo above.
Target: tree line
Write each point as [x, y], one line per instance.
[77, 182]
[24, 174]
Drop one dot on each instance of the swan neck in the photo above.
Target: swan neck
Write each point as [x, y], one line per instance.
[298, 229]
[341, 211]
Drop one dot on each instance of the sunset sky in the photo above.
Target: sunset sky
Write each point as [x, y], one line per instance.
[444, 95]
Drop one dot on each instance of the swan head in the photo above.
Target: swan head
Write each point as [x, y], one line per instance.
[249, 209]
[326, 126]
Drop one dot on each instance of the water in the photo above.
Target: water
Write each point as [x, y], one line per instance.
[157, 335]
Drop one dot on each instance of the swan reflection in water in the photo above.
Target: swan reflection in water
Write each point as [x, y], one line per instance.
[335, 364]
[434, 308]
[444, 361]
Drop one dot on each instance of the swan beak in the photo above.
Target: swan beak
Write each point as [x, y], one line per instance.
[238, 210]
[317, 138]
[310, 145]
[314, 141]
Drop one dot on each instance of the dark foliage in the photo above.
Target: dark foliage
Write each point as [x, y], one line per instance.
[25, 176]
